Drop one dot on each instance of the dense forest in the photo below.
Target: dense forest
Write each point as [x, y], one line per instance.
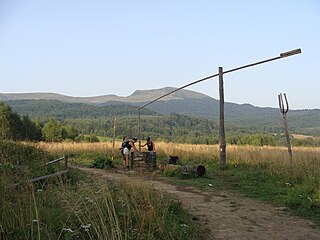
[43, 120]
[243, 118]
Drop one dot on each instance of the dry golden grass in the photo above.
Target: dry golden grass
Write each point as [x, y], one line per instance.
[306, 159]
[300, 136]
[73, 147]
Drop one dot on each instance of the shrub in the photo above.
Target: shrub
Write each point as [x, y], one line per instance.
[171, 172]
[102, 162]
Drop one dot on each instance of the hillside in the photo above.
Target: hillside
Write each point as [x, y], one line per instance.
[137, 97]
[44, 109]
[238, 117]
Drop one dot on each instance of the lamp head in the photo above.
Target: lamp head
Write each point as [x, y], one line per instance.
[290, 53]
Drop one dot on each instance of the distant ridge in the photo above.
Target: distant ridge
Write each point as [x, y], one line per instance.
[137, 96]
[185, 102]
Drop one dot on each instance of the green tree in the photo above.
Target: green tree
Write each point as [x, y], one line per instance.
[70, 132]
[92, 138]
[5, 128]
[52, 131]
[10, 124]
[30, 130]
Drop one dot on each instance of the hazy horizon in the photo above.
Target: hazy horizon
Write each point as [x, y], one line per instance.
[81, 48]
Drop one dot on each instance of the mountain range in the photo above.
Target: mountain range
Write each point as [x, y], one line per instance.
[184, 102]
[139, 96]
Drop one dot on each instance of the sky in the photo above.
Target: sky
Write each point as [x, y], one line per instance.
[87, 48]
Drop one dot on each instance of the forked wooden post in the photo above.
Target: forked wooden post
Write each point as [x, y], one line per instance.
[222, 137]
[284, 111]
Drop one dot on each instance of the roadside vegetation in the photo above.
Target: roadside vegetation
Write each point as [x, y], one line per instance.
[81, 206]
[260, 172]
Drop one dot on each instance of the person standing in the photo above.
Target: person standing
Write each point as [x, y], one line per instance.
[125, 150]
[151, 155]
[150, 144]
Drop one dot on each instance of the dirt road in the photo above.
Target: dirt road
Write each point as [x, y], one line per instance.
[230, 216]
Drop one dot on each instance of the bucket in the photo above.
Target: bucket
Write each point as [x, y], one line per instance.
[173, 160]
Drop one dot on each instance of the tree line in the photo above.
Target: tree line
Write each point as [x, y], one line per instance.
[170, 128]
[17, 128]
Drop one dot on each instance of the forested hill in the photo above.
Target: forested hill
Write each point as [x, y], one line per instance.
[44, 109]
[239, 117]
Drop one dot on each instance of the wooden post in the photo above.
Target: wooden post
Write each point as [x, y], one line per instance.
[285, 122]
[65, 167]
[139, 129]
[17, 168]
[284, 110]
[222, 138]
[114, 135]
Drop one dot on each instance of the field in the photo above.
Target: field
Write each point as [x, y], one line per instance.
[82, 206]
[259, 172]
[274, 159]
[90, 208]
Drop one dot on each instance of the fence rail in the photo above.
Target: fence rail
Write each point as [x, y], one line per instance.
[59, 173]
[49, 175]
[54, 161]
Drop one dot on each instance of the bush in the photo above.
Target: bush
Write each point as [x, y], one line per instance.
[171, 172]
[102, 162]
[303, 197]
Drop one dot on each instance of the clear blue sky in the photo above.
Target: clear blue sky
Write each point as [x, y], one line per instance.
[91, 48]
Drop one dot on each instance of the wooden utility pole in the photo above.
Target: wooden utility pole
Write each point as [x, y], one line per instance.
[284, 111]
[114, 134]
[222, 137]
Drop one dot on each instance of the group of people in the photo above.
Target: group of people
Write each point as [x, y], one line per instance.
[127, 145]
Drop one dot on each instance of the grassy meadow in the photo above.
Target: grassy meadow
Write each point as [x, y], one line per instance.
[275, 160]
[82, 206]
[87, 207]
[260, 172]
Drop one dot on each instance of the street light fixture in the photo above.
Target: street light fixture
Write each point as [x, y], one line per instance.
[221, 94]
[290, 53]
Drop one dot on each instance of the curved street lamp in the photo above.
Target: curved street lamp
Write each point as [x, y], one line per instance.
[222, 140]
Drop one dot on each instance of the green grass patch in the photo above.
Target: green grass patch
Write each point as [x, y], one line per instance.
[102, 162]
[94, 159]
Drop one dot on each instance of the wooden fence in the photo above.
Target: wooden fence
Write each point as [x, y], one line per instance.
[63, 171]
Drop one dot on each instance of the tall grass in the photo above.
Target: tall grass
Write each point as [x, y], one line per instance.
[92, 209]
[264, 171]
[274, 159]
[84, 207]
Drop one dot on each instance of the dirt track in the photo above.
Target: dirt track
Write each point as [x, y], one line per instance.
[230, 216]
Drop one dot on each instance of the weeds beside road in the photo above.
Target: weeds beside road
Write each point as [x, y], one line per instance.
[82, 206]
[227, 215]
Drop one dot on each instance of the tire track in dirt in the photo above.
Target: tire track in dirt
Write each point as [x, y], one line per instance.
[228, 215]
